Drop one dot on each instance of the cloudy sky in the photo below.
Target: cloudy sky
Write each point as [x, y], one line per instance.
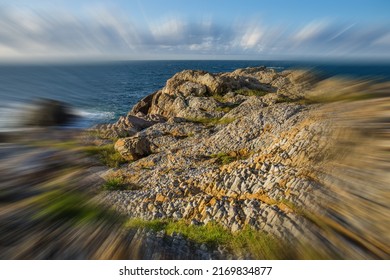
[195, 29]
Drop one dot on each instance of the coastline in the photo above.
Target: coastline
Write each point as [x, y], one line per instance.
[248, 149]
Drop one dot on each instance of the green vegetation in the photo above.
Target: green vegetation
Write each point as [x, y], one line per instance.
[118, 184]
[211, 121]
[251, 92]
[224, 158]
[106, 154]
[70, 206]
[114, 184]
[219, 98]
[286, 99]
[226, 107]
[259, 244]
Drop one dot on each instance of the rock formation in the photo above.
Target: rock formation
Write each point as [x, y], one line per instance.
[263, 149]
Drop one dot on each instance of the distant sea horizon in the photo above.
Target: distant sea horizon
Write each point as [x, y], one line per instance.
[100, 92]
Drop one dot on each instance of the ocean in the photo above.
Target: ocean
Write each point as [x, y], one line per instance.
[101, 92]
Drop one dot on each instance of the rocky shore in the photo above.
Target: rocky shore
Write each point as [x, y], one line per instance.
[279, 152]
[295, 163]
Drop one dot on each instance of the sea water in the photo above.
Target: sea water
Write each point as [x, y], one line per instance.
[101, 92]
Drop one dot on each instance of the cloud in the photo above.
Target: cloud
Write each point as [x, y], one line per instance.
[99, 32]
[312, 31]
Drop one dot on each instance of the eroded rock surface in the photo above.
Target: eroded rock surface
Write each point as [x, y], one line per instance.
[256, 148]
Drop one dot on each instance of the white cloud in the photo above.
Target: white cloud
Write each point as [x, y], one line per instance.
[109, 33]
[252, 37]
[311, 30]
[170, 29]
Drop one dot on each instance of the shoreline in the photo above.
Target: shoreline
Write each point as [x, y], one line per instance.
[253, 149]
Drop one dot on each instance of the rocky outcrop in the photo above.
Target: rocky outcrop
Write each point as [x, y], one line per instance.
[252, 148]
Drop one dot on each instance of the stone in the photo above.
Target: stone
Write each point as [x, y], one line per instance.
[133, 148]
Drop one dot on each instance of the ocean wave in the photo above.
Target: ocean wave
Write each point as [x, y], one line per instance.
[88, 118]
[13, 116]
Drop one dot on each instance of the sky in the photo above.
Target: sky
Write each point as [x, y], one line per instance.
[213, 29]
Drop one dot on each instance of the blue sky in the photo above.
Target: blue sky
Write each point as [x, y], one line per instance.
[172, 29]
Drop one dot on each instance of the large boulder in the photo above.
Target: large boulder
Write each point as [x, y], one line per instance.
[133, 148]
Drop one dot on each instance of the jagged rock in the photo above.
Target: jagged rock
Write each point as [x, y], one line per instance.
[239, 149]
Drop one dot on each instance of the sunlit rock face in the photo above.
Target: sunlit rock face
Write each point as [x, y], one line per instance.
[301, 159]
[284, 153]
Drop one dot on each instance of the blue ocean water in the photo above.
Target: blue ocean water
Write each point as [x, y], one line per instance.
[101, 92]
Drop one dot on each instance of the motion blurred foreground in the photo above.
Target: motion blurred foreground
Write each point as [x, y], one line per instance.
[249, 164]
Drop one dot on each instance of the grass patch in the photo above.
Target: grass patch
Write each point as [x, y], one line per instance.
[211, 121]
[226, 158]
[70, 206]
[226, 107]
[219, 98]
[251, 92]
[286, 99]
[114, 184]
[118, 183]
[225, 120]
[259, 244]
[106, 154]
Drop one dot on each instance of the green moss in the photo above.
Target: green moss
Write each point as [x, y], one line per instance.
[226, 107]
[211, 121]
[225, 120]
[106, 154]
[224, 158]
[251, 92]
[219, 98]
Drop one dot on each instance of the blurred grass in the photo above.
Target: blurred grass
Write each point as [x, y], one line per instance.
[106, 154]
[258, 244]
[70, 206]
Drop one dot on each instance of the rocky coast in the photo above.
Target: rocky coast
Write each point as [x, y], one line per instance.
[290, 158]
[286, 153]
